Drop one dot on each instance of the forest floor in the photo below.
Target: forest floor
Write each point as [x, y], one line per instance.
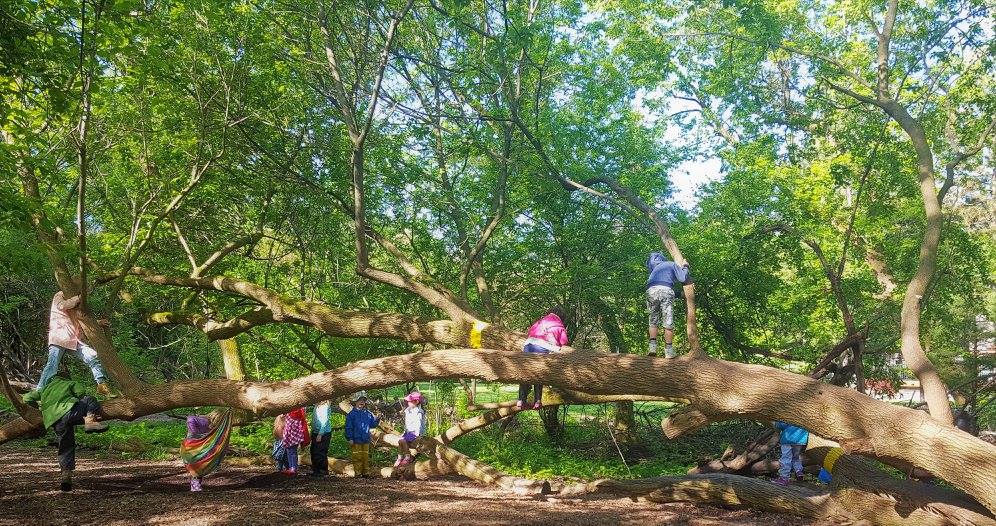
[123, 492]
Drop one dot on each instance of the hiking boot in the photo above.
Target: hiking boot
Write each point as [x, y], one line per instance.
[92, 425]
[104, 390]
[782, 481]
[66, 481]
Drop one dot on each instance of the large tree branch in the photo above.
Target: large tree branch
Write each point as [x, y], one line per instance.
[714, 386]
[841, 504]
[381, 65]
[27, 412]
[331, 321]
[884, 41]
[93, 333]
[215, 330]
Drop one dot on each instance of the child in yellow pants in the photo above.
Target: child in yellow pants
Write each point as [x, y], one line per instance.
[359, 422]
[360, 454]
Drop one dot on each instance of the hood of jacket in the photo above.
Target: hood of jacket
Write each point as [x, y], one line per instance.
[656, 258]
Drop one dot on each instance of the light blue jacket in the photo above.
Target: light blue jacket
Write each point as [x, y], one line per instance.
[321, 419]
[792, 435]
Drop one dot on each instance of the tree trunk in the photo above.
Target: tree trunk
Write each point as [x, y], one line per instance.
[934, 391]
[230, 356]
[625, 420]
[624, 426]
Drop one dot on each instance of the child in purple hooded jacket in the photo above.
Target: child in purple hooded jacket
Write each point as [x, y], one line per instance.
[662, 274]
[198, 426]
[547, 335]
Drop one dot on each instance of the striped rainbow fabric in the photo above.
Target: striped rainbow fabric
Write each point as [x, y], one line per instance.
[202, 455]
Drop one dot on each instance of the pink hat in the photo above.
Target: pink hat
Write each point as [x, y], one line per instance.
[414, 396]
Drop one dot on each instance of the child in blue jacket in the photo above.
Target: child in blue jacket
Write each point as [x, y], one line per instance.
[359, 422]
[793, 440]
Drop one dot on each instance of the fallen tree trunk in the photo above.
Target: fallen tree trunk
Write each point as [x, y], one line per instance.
[859, 493]
[756, 450]
[721, 389]
[843, 505]
[446, 460]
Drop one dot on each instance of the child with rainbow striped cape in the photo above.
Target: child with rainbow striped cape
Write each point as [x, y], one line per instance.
[204, 448]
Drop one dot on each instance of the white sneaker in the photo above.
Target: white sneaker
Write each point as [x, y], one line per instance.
[669, 353]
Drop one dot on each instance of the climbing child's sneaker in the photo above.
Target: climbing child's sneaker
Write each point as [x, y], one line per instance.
[782, 481]
[538, 405]
[195, 484]
[519, 404]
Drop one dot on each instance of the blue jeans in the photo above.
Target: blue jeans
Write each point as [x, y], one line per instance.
[83, 352]
[537, 388]
[791, 460]
[292, 458]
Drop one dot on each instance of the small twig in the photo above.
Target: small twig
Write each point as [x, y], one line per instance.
[613, 435]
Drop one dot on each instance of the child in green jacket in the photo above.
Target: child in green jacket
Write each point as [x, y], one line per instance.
[64, 406]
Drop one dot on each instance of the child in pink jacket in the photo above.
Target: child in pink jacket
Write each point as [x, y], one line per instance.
[546, 335]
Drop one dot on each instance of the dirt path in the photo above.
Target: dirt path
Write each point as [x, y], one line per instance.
[124, 492]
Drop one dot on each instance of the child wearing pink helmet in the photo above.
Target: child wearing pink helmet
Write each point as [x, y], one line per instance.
[414, 427]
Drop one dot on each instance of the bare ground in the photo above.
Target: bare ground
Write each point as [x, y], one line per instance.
[125, 492]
